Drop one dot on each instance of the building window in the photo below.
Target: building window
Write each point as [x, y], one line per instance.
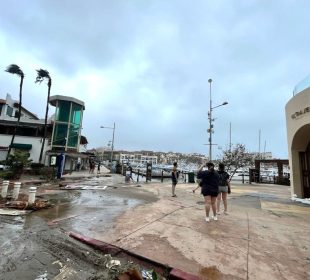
[9, 111]
[60, 134]
[63, 111]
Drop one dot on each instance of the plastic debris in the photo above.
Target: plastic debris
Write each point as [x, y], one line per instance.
[42, 276]
[112, 263]
[302, 200]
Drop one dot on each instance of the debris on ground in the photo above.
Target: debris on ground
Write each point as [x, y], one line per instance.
[13, 212]
[302, 200]
[83, 187]
[24, 205]
[126, 271]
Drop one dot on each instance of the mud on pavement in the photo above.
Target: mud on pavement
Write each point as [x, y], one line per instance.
[37, 246]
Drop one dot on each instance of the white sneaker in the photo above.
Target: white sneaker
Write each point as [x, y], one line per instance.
[207, 219]
[215, 218]
[226, 213]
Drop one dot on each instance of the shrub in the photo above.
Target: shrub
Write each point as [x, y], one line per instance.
[48, 173]
[17, 162]
[36, 168]
[7, 175]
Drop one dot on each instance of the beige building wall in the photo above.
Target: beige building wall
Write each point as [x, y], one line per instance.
[298, 137]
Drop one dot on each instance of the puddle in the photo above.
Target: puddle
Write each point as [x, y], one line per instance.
[86, 211]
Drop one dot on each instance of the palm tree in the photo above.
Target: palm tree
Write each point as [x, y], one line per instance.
[14, 69]
[41, 76]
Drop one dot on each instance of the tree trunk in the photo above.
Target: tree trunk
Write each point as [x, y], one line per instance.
[18, 118]
[45, 120]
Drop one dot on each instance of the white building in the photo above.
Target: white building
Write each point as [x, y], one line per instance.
[298, 138]
[63, 131]
[137, 158]
[28, 135]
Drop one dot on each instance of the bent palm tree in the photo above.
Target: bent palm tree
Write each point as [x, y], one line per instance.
[41, 76]
[14, 69]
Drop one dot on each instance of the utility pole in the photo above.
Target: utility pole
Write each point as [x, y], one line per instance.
[210, 123]
[230, 137]
[259, 155]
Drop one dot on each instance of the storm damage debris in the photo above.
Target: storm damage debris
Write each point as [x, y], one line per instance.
[125, 271]
[83, 187]
[13, 212]
[24, 205]
[302, 200]
[137, 267]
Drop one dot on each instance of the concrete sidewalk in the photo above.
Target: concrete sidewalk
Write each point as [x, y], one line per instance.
[265, 235]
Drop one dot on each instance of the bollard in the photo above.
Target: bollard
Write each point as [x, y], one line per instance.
[4, 192]
[16, 190]
[32, 195]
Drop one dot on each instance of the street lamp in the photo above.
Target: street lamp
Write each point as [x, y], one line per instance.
[210, 130]
[112, 148]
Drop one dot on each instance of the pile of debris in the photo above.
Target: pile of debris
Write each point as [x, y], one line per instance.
[126, 271]
[25, 205]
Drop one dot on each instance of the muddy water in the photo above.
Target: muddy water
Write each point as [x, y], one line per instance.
[32, 244]
[88, 211]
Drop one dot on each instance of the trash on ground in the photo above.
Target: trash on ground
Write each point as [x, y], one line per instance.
[42, 276]
[13, 212]
[82, 187]
[302, 200]
[24, 205]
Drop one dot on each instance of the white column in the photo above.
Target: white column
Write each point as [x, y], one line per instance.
[16, 190]
[32, 195]
[5, 185]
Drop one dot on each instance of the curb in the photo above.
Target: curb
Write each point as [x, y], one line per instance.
[174, 273]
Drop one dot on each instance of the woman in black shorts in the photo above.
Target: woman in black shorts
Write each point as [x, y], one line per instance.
[209, 188]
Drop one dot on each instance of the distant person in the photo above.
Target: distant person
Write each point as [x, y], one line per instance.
[128, 174]
[174, 178]
[91, 166]
[224, 188]
[209, 188]
[78, 166]
[130, 169]
[98, 168]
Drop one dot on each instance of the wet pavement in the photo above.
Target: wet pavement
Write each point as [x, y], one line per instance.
[37, 246]
[266, 235]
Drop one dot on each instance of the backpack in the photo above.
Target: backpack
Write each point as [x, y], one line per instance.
[223, 179]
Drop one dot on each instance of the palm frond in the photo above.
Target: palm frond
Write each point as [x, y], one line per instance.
[14, 69]
[41, 75]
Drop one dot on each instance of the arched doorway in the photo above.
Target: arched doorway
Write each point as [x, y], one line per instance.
[305, 171]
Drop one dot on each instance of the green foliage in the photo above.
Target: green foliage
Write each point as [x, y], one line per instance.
[14, 69]
[6, 174]
[17, 162]
[41, 75]
[36, 168]
[237, 157]
[47, 173]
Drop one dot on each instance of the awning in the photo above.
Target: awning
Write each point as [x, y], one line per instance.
[21, 146]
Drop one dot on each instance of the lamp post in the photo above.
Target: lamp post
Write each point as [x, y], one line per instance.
[112, 147]
[210, 130]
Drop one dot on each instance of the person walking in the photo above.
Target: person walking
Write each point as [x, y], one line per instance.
[209, 188]
[174, 177]
[224, 187]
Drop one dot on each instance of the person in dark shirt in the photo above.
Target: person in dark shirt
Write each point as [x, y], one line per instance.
[224, 188]
[174, 178]
[209, 188]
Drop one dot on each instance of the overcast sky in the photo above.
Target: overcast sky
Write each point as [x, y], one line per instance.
[145, 65]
